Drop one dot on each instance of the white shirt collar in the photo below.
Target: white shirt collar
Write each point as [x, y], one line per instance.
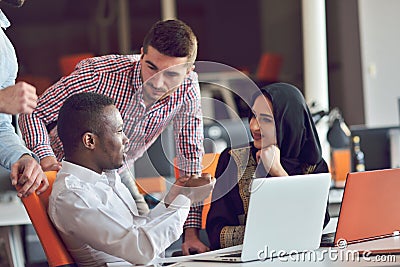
[4, 22]
[84, 173]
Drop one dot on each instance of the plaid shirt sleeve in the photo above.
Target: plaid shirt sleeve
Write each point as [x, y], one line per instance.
[194, 218]
[189, 143]
[33, 126]
[188, 130]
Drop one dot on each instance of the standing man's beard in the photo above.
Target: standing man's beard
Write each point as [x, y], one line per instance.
[14, 3]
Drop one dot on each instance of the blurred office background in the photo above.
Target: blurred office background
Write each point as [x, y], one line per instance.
[361, 41]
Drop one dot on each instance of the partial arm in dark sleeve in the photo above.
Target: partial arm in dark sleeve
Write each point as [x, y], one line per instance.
[226, 205]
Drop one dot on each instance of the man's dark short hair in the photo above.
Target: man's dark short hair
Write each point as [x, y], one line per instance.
[79, 114]
[172, 38]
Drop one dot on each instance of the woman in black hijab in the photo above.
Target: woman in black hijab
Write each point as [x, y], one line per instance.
[285, 143]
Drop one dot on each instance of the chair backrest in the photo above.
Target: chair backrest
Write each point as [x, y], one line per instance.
[67, 63]
[269, 67]
[209, 165]
[36, 206]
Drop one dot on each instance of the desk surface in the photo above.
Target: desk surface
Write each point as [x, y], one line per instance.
[13, 213]
[329, 257]
[323, 257]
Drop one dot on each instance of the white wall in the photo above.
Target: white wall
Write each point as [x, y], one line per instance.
[380, 55]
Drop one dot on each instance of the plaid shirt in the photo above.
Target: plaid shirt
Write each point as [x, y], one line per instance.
[118, 76]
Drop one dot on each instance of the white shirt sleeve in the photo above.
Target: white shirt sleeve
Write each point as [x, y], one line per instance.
[117, 231]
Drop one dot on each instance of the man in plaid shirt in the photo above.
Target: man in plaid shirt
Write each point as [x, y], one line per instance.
[150, 90]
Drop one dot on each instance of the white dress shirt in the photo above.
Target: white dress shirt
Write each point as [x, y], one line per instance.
[99, 223]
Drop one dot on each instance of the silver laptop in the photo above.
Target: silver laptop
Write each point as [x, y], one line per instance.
[286, 215]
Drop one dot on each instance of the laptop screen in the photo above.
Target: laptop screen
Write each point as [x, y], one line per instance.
[369, 206]
[286, 213]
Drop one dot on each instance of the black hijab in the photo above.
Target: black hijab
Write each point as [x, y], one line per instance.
[296, 134]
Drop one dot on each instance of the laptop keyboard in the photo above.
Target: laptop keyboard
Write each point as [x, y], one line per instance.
[233, 254]
[328, 240]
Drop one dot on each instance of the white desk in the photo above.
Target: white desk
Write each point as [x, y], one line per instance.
[328, 257]
[12, 216]
[322, 257]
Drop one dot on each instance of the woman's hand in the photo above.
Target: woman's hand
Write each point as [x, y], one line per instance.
[270, 156]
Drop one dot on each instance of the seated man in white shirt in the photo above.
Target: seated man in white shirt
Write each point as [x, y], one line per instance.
[92, 210]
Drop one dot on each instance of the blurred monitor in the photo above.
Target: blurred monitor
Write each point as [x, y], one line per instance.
[220, 134]
[375, 143]
[158, 160]
[220, 103]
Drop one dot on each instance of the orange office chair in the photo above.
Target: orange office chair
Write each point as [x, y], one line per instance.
[67, 63]
[36, 206]
[209, 164]
[269, 67]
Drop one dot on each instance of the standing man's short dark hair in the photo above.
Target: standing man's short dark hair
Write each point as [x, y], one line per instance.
[183, 45]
